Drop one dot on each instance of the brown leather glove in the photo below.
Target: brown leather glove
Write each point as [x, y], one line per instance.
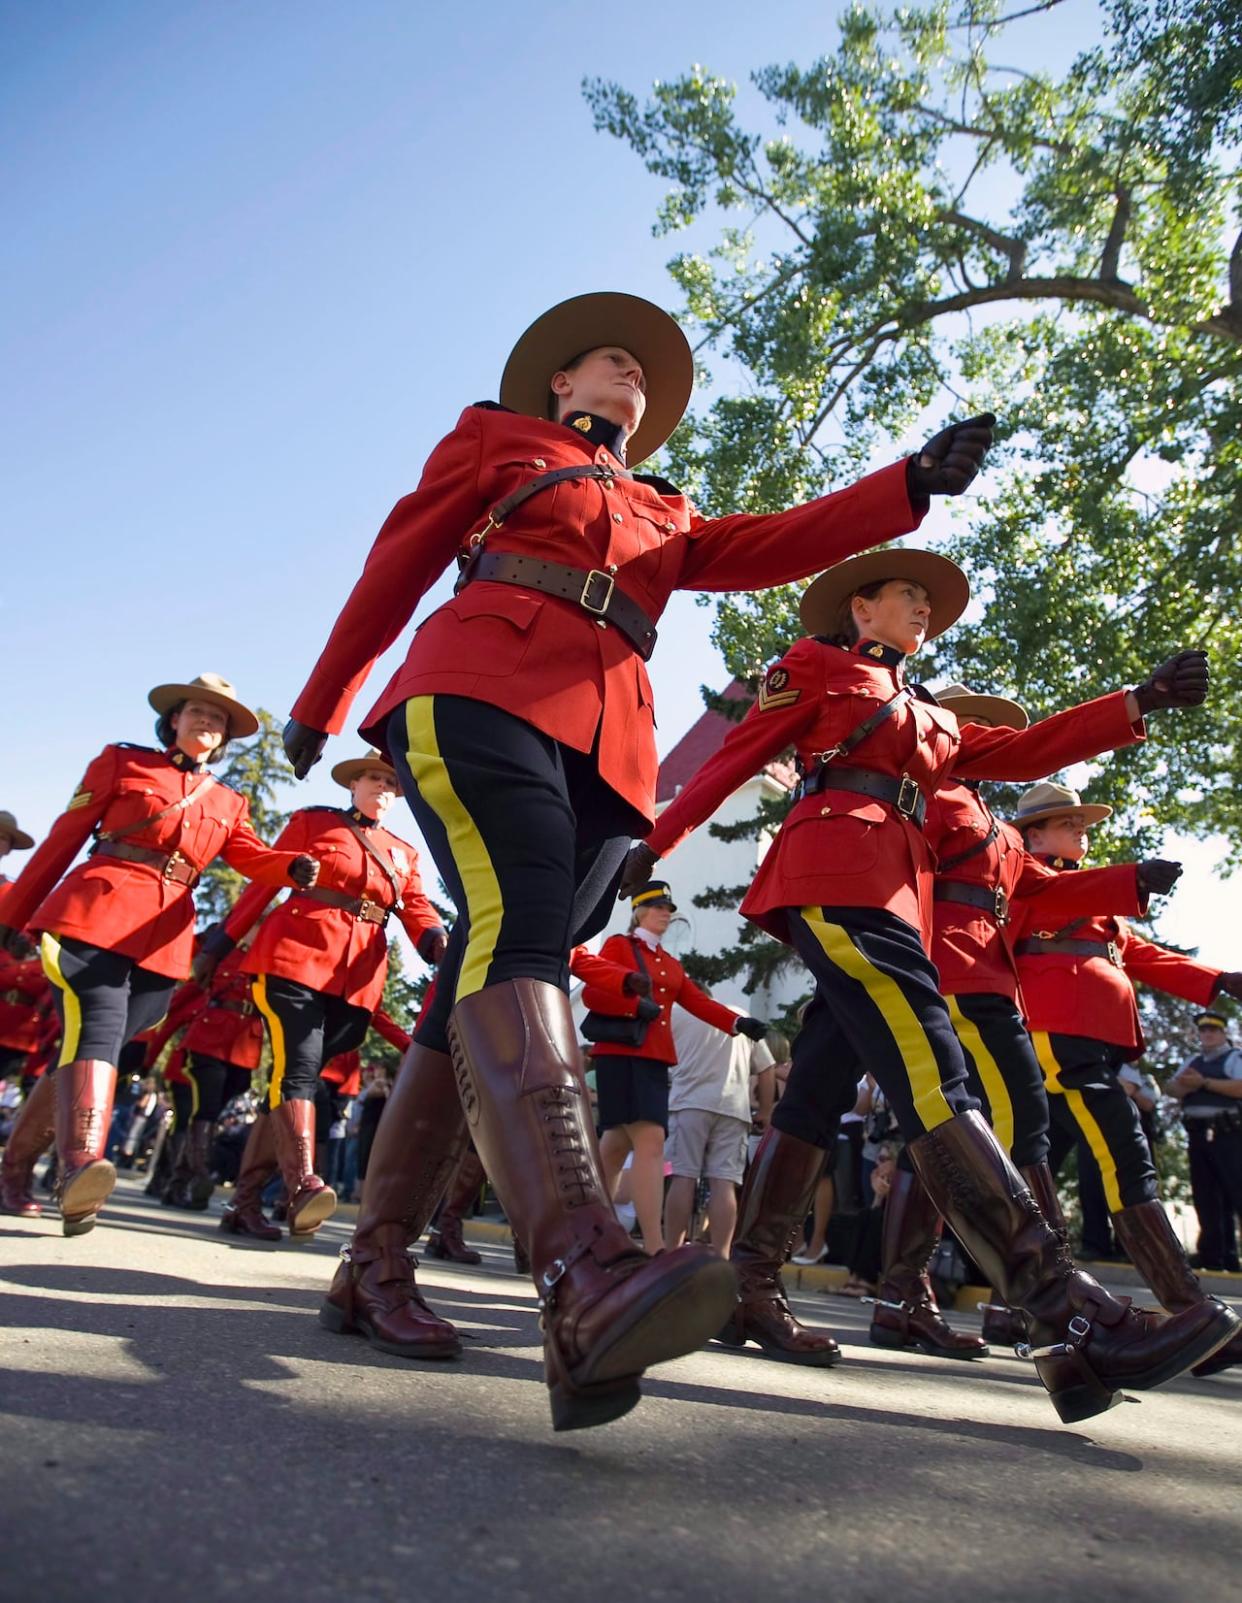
[1182, 681]
[1231, 984]
[304, 871]
[637, 871]
[950, 460]
[432, 945]
[636, 984]
[1157, 877]
[755, 1029]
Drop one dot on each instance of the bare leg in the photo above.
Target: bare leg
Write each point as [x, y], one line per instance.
[678, 1206]
[722, 1214]
[614, 1148]
[821, 1212]
[647, 1181]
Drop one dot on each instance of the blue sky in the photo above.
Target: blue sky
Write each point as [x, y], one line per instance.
[259, 257]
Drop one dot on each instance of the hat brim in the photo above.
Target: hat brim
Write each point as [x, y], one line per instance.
[241, 720]
[1092, 813]
[586, 322]
[21, 841]
[345, 773]
[947, 587]
[996, 710]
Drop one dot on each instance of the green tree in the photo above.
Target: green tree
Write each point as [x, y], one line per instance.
[918, 214]
[258, 769]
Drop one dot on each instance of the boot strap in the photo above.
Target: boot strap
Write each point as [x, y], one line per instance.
[1076, 1334]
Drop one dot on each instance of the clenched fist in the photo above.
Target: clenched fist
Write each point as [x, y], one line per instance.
[637, 871]
[304, 871]
[950, 460]
[1157, 877]
[303, 746]
[1182, 681]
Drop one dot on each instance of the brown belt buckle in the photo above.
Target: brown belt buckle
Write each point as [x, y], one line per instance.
[1114, 954]
[372, 912]
[171, 864]
[609, 583]
[908, 794]
[1001, 906]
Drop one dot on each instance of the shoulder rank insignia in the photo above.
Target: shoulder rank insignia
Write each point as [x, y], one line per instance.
[80, 798]
[775, 692]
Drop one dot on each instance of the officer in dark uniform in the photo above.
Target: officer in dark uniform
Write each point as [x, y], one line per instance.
[522, 727]
[1209, 1088]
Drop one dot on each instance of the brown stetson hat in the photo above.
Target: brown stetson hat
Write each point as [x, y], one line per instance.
[208, 687]
[823, 604]
[1050, 801]
[345, 773]
[586, 322]
[969, 708]
[8, 826]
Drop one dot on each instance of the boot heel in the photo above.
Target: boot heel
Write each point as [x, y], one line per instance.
[879, 1337]
[582, 1407]
[81, 1226]
[1074, 1390]
[434, 1249]
[334, 1319]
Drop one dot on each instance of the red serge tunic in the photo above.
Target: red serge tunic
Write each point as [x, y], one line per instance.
[23, 989]
[546, 660]
[329, 948]
[970, 947]
[228, 1027]
[669, 983]
[1068, 994]
[132, 908]
[840, 849]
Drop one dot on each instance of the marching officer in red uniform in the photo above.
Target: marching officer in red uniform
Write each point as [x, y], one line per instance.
[981, 866]
[632, 1077]
[1077, 979]
[320, 959]
[522, 727]
[118, 930]
[171, 1170]
[848, 882]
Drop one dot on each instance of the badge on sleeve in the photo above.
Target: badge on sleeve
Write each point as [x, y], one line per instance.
[775, 692]
[80, 798]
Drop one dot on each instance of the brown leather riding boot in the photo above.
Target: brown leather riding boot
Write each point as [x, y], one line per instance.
[84, 1092]
[446, 1239]
[1147, 1238]
[418, 1145]
[199, 1182]
[33, 1132]
[777, 1196]
[244, 1215]
[906, 1312]
[609, 1311]
[1088, 1345]
[311, 1201]
[176, 1192]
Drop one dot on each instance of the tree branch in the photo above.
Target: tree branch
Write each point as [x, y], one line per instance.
[1235, 277]
[1014, 249]
[1110, 258]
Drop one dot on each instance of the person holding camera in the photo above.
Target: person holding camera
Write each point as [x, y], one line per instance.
[632, 1052]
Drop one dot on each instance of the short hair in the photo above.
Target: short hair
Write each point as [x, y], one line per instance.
[554, 400]
[847, 632]
[167, 735]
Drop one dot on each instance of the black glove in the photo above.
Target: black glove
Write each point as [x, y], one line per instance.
[1182, 681]
[432, 945]
[647, 1010]
[1156, 877]
[756, 1029]
[213, 944]
[950, 459]
[16, 942]
[637, 870]
[636, 984]
[303, 747]
[1231, 984]
[304, 871]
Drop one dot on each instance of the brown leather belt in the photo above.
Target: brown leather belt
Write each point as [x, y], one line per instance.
[903, 794]
[993, 901]
[591, 589]
[1038, 946]
[170, 864]
[246, 1009]
[369, 912]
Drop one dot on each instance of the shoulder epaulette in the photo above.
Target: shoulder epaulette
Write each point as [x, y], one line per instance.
[491, 406]
[315, 807]
[659, 485]
[134, 745]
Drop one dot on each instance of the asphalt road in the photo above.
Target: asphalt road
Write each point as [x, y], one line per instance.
[175, 1424]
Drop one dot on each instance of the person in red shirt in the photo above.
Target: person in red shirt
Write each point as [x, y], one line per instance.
[118, 930]
[319, 961]
[848, 883]
[1077, 978]
[522, 727]
[632, 1078]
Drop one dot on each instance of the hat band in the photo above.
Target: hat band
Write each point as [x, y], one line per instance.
[660, 895]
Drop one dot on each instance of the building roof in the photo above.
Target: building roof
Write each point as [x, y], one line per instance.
[703, 740]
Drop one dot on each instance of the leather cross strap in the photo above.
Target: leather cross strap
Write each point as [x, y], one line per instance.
[990, 899]
[244, 1008]
[1040, 946]
[188, 800]
[378, 855]
[980, 846]
[170, 864]
[903, 794]
[593, 590]
[359, 906]
[509, 504]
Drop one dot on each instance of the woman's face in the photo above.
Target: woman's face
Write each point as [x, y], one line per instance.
[199, 728]
[373, 792]
[656, 919]
[897, 616]
[1065, 836]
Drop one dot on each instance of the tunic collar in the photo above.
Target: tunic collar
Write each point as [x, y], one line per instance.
[1062, 864]
[647, 938]
[186, 764]
[877, 651]
[359, 817]
[598, 430]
